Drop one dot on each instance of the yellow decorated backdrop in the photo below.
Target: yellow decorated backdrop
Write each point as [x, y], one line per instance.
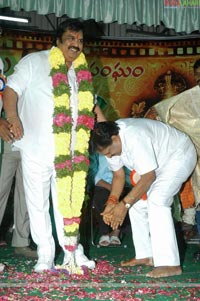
[129, 76]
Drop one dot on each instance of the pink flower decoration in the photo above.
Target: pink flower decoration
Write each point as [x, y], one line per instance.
[60, 165]
[70, 221]
[70, 248]
[58, 77]
[88, 121]
[84, 75]
[81, 158]
[63, 165]
[61, 119]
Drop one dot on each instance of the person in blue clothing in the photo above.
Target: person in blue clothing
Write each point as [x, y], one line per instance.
[102, 189]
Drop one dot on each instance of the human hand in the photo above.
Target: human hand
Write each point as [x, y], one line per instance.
[16, 127]
[118, 216]
[5, 133]
[107, 213]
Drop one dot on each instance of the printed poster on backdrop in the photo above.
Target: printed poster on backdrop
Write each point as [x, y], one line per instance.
[129, 76]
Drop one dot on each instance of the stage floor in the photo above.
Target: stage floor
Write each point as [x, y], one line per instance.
[108, 281]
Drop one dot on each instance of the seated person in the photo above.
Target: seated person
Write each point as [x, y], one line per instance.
[103, 180]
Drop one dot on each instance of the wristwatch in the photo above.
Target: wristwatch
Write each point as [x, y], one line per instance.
[127, 205]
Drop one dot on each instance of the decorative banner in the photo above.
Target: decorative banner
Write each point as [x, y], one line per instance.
[129, 76]
[15, 44]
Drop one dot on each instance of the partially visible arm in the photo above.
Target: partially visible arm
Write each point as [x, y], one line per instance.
[140, 188]
[119, 211]
[10, 102]
[10, 106]
[5, 133]
[152, 114]
[104, 184]
[118, 182]
[99, 114]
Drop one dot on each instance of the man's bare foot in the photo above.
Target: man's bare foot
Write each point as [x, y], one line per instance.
[165, 271]
[134, 262]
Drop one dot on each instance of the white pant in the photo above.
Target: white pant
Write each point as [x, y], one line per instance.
[151, 221]
[39, 179]
[189, 216]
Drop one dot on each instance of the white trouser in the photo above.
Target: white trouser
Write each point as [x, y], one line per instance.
[189, 216]
[151, 221]
[37, 181]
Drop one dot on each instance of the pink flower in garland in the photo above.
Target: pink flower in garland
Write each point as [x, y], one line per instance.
[70, 221]
[63, 165]
[81, 158]
[61, 119]
[88, 121]
[58, 77]
[84, 75]
[60, 165]
[70, 248]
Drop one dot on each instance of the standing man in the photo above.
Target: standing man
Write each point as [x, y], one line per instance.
[44, 85]
[182, 112]
[4, 124]
[164, 158]
[10, 168]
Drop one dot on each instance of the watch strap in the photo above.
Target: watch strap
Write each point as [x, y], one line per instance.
[127, 205]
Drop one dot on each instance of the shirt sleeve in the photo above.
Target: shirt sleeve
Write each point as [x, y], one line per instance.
[104, 172]
[115, 163]
[19, 80]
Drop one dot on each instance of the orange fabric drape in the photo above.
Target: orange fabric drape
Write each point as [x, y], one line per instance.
[187, 195]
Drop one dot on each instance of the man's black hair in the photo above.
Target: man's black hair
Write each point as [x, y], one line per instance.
[75, 25]
[102, 134]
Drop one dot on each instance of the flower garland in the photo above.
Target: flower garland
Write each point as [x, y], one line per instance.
[71, 170]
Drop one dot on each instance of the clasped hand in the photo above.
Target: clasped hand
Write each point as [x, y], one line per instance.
[16, 129]
[114, 215]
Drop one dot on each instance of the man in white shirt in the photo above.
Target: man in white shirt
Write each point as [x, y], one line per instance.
[164, 158]
[29, 106]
